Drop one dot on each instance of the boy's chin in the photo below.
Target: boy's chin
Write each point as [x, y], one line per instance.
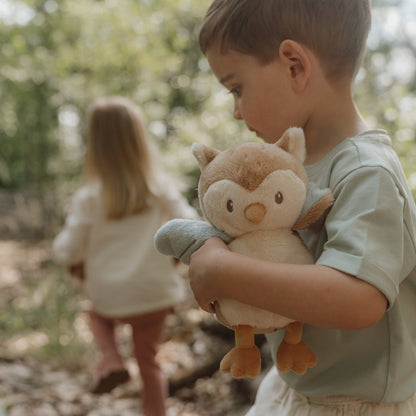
[266, 138]
[269, 140]
[262, 136]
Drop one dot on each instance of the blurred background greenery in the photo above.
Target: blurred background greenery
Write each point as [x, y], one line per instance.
[58, 56]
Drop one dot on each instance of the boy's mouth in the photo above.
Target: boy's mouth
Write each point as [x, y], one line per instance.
[257, 133]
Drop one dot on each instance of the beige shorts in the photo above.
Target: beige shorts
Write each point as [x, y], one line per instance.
[276, 398]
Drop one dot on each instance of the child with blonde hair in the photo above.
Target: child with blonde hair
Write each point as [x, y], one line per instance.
[293, 63]
[109, 231]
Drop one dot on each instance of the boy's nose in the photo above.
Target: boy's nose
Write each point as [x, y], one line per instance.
[237, 114]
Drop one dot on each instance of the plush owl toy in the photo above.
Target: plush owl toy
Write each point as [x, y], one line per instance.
[255, 197]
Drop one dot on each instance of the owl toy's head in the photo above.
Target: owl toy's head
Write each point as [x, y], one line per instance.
[253, 186]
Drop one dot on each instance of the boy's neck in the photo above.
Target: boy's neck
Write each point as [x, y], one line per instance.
[334, 119]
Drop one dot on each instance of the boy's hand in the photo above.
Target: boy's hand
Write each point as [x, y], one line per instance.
[203, 272]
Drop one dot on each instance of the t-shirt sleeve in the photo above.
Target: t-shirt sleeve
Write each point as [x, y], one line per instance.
[365, 229]
[70, 245]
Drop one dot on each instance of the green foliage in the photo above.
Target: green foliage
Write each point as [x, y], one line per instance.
[58, 56]
[386, 91]
[41, 318]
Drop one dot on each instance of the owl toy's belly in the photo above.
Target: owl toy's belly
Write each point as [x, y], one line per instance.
[282, 246]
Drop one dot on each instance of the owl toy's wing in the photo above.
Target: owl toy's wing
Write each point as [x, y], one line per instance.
[180, 238]
[317, 205]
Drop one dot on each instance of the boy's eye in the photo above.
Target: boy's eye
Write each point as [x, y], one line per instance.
[230, 205]
[235, 91]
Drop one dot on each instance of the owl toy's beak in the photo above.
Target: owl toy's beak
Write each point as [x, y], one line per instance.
[255, 212]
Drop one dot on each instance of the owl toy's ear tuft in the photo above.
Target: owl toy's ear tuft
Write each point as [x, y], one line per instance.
[293, 142]
[203, 154]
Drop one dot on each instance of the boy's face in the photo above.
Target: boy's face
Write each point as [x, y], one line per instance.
[263, 96]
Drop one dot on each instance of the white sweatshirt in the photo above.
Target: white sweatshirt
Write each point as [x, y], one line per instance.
[125, 274]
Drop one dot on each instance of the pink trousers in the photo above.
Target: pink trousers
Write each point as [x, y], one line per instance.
[146, 332]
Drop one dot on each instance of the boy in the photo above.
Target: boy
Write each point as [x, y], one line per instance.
[292, 63]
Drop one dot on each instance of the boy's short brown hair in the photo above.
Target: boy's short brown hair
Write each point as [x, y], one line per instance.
[335, 30]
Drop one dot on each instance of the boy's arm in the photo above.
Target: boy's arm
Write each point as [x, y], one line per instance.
[313, 294]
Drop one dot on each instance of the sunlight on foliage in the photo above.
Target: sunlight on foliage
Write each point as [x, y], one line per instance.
[57, 57]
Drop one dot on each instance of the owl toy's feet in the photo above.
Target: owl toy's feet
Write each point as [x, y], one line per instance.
[242, 362]
[293, 354]
[244, 359]
[295, 357]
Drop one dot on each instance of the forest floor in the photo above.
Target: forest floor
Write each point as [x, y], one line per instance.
[47, 355]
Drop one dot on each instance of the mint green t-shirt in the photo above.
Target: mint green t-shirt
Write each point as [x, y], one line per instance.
[370, 233]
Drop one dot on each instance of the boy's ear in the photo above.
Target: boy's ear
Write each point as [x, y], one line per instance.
[298, 63]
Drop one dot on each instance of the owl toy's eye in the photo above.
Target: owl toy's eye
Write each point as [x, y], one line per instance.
[230, 205]
[278, 198]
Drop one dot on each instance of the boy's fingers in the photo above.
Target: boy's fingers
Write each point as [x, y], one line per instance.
[209, 308]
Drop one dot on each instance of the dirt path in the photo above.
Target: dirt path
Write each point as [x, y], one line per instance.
[38, 387]
[30, 388]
